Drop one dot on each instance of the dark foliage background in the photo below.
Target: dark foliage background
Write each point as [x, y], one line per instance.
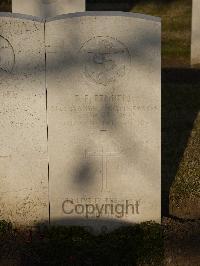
[5, 5]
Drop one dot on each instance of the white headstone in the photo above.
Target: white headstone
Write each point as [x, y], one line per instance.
[195, 46]
[104, 97]
[23, 134]
[47, 8]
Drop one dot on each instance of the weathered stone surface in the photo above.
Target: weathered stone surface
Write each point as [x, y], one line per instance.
[195, 46]
[103, 76]
[47, 8]
[23, 141]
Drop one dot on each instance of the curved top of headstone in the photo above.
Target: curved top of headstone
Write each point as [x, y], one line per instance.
[105, 13]
[81, 14]
[21, 16]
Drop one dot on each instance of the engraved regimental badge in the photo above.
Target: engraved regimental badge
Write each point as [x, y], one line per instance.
[106, 60]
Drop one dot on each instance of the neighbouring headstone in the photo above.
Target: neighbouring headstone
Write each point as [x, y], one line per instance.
[104, 97]
[47, 8]
[195, 45]
[23, 134]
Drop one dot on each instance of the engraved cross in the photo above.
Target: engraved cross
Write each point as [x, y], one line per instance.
[104, 165]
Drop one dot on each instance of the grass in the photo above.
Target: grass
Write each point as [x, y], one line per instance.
[176, 28]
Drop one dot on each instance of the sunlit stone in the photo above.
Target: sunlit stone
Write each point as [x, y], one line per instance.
[23, 141]
[195, 45]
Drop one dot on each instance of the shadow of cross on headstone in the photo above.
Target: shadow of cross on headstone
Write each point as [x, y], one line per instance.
[104, 156]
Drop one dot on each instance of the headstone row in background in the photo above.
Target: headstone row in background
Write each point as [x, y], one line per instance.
[47, 8]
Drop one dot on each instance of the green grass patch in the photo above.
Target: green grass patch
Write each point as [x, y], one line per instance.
[176, 28]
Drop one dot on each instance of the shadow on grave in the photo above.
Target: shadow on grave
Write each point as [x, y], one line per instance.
[80, 246]
[180, 106]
